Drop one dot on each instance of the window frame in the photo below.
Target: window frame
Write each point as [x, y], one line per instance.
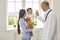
[23, 6]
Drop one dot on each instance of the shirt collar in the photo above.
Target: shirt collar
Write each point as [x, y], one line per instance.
[48, 10]
[45, 13]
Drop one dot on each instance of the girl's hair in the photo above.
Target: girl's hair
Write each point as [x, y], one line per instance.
[21, 14]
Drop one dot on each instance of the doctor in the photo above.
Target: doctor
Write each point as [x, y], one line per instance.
[50, 22]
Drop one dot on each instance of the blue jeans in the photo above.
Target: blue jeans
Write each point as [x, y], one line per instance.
[26, 38]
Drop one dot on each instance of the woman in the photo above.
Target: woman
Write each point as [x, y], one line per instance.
[23, 24]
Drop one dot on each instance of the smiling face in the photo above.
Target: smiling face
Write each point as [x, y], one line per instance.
[45, 5]
[30, 11]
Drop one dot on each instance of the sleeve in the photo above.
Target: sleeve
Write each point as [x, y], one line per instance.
[51, 30]
[41, 19]
[24, 26]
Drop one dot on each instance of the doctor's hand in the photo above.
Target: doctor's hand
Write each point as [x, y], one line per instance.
[37, 13]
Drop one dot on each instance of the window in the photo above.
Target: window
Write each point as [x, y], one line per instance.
[13, 8]
[32, 4]
[35, 5]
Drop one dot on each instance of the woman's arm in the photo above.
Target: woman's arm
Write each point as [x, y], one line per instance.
[24, 26]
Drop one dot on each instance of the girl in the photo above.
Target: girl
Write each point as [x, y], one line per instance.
[23, 24]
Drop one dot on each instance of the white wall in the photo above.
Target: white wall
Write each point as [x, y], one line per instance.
[56, 7]
[4, 35]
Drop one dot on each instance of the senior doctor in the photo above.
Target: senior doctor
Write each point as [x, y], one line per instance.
[50, 22]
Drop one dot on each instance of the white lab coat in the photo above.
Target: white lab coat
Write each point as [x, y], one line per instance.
[50, 27]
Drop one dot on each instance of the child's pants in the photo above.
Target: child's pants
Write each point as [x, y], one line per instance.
[26, 38]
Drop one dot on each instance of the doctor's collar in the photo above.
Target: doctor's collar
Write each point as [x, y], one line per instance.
[47, 11]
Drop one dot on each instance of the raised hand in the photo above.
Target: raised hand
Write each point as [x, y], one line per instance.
[37, 13]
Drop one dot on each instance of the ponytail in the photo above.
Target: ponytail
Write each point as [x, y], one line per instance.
[18, 28]
[21, 14]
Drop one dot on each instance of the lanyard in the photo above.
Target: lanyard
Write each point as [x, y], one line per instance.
[47, 14]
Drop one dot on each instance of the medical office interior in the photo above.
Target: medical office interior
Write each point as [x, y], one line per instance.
[9, 12]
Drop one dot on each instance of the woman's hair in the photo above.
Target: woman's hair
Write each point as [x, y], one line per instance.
[21, 14]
